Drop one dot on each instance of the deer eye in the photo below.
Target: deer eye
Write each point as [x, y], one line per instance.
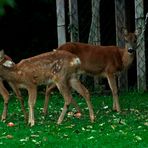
[135, 40]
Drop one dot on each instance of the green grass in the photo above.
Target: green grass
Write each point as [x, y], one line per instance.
[110, 130]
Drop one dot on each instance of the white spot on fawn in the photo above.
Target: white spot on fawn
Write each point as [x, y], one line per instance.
[8, 64]
[75, 61]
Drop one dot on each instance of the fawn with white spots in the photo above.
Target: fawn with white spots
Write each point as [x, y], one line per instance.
[58, 67]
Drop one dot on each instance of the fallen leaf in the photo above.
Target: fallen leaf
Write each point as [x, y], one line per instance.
[122, 122]
[70, 113]
[65, 136]
[90, 138]
[34, 136]
[113, 127]
[89, 126]
[70, 126]
[83, 129]
[105, 107]
[138, 138]
[25, 139]
[33, 140]
[9, 136]
[146, 123]
[101, 124]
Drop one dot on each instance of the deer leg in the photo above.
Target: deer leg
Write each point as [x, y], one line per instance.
[49, 88]
[5, 95]
[47, 95]
[75, 105]
[18, 94]
[113, 86]
[65, 91]
[31, 102]
[81, 89]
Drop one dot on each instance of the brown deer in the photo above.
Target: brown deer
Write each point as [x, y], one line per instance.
[8, 63]
[58, 67]
[106, 61]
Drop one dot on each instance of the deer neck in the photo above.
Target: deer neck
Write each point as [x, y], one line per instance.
[127, 58]
[8, 73]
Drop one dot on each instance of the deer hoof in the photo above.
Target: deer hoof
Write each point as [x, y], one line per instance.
[31, 123]
[116, 108]
[59, 122]
[3, 120]
[92, 118]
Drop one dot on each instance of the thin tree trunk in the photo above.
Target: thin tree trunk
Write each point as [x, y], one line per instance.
[73, 26]
[60, 9]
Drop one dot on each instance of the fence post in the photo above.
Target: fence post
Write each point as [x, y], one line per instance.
[60, 9]
[94, 34]
[73, 27]
[120, 23]
[141, 62]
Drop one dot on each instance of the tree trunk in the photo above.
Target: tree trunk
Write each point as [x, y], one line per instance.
[73, 26]
[60, 9]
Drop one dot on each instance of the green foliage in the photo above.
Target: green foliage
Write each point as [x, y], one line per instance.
[111, 129]
[4, 3]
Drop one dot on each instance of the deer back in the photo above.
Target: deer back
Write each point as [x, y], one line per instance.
[43, 68]
[95, 59]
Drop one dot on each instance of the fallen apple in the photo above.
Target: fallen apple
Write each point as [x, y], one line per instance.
[78, 115]
[10, 124]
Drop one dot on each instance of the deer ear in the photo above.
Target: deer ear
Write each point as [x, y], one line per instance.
[138, 31]
[8, 64]
[124, 31]
[2, 54]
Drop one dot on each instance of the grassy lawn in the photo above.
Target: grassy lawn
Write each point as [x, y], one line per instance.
[111, 129]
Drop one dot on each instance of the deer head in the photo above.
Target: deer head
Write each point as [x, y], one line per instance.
[6, 60]
[131, 40]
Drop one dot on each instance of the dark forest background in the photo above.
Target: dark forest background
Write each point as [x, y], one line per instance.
[29, 27]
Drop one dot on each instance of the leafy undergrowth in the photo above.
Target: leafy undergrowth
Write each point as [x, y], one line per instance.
[110, 129]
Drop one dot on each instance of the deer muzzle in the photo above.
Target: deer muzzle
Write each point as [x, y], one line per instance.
[131, 50]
